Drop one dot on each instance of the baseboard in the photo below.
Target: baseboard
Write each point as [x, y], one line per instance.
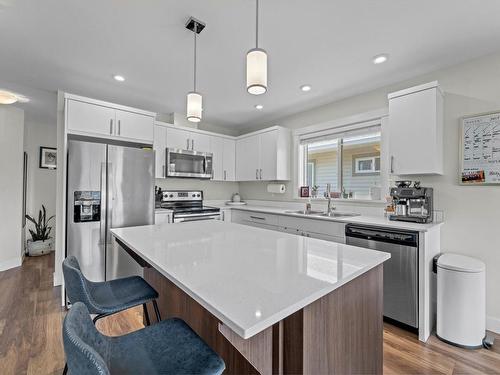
[11, 263]
[493, 324]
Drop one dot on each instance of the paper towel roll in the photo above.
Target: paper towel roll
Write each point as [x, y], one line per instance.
[276, 188]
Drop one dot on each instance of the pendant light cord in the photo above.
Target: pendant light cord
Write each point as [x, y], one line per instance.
[195, 32]
[256, 23]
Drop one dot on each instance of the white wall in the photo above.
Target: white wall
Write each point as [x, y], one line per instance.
[471, 213]
[41, 182]
[11, 186]
[212, 190]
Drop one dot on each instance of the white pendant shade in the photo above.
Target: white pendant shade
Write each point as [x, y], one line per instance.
[256, 71]
[194, 106]
[8, 97]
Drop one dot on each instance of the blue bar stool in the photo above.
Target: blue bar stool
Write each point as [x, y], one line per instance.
[108, 297]
[169, 347]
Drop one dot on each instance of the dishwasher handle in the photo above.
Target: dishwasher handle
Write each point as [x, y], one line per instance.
[395, 236]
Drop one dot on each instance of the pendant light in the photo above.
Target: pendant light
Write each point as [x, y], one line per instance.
[194, 98]
[257, 63]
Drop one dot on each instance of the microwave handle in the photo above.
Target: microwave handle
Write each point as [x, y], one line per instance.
[205, 165]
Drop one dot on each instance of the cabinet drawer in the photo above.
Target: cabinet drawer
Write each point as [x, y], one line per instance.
[254, 217]
[330, 228]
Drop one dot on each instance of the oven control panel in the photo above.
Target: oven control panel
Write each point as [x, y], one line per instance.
[168, 196]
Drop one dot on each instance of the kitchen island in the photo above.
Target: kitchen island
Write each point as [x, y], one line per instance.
[267, 302]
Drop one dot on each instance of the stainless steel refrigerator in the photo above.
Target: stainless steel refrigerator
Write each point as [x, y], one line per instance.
[108, 187]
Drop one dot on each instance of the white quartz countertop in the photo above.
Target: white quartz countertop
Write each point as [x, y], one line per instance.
[361, 219]
[247, 277]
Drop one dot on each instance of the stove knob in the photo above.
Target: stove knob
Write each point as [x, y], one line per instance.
[198, 195]
[194, 195]
[171, 195]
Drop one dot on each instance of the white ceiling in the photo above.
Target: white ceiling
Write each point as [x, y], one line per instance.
[77, 46]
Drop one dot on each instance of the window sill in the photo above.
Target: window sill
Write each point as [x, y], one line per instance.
[343, 200]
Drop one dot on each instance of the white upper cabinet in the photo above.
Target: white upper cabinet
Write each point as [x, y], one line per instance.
[95, 118]
[134, 126]
[178, 138]
[223, 150]
[248, 158]
[159, 145]
[88, 118]
[229, 161]
[264, 155]
[199, 142]
[187, 140]
[217, 150]
[269, 156]
[416, 130]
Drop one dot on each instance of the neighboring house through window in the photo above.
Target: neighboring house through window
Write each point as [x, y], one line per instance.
[349, 161]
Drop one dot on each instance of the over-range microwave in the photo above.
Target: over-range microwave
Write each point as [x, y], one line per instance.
[188, 164]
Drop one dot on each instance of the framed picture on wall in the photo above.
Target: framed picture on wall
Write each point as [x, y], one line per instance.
[48, 157]
[304, 191]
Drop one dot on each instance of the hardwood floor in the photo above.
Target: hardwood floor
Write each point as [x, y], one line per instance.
[31, 318]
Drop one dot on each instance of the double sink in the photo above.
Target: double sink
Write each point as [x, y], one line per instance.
[321, 213]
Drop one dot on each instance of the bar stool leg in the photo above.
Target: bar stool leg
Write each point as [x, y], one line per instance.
[146, 314]
[157, 311]
[65, 371]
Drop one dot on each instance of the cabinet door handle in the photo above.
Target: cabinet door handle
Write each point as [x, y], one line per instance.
[163, 175]
[257, 217]
[261, 174]
[392, 163]
[187, 144]
[119, 127]
[192, 144]
[111, 126]
[256, 174]
[225, 175]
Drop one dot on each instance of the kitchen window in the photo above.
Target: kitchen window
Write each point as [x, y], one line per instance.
[348, 160]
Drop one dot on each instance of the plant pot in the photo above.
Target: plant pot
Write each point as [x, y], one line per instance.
[37, 248]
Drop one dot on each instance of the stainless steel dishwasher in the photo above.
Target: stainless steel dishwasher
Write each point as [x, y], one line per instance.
[400, 272]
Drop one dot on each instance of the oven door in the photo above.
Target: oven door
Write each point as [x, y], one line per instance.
[183, 218]
[188, 164]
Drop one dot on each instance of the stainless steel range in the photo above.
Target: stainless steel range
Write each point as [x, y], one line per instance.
[188, 206]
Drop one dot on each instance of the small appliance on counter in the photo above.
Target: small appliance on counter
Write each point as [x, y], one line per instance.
[188, 206]
[412, 203]
[236, 200]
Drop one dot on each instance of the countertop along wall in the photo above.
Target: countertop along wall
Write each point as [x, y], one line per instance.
[471, 213]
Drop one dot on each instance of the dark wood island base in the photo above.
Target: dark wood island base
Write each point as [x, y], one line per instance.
[341, 333]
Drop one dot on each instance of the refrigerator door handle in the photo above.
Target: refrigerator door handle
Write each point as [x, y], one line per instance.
[104, 204]
[110, 197]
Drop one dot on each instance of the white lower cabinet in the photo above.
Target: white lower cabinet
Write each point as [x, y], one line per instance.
[226, 215]
[163, 217]
[321, 229]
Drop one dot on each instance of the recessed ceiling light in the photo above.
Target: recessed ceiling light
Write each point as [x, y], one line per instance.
[306, 88]
[119, 78]
[379, 59]
[8, 97]
[259, 106]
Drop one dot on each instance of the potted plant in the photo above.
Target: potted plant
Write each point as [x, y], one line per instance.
[314, 191]
[41, 242]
